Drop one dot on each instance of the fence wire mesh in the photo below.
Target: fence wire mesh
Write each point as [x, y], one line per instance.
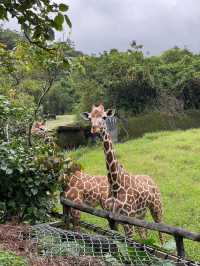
[51, 244]
[105, 247]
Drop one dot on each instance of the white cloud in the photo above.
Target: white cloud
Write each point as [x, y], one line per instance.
[100, 25]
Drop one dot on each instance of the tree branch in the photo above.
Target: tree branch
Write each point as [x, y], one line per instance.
[38, 44]
[45, 91]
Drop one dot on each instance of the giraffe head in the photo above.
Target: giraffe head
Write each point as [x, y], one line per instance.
[97, 117]
[39, 128]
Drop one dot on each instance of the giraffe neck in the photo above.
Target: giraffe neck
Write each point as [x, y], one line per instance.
[112, 164]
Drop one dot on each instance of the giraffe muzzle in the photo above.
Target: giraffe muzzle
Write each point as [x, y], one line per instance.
[95, 130]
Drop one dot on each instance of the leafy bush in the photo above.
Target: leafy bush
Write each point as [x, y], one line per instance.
[10, 259]
[28, 180]
[14, 117]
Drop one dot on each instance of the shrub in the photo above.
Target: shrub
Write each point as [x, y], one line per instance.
[137, 126]
[14, 117]
[28, 180]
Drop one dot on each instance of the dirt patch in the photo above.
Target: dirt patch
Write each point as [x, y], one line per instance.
[13, 238]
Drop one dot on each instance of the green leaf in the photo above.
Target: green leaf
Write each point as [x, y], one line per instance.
[34, 191]
[68, 21]
[63, 7]
[3, 167]
[37, 32]
[58, 21]
[66, 63]
[9, 171]
[3, 13]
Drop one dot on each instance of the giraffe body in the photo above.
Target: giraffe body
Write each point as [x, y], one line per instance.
[84, 188]
[130, 195]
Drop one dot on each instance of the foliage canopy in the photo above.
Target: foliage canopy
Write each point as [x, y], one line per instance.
[134, 83]
[38, 18]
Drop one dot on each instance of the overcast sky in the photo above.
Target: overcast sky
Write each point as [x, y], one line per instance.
[100, 25]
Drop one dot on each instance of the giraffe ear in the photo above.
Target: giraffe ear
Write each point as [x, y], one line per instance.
[110, 112]
[85, 116]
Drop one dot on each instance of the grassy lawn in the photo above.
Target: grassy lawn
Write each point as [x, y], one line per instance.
[61, 120]
[173, 160]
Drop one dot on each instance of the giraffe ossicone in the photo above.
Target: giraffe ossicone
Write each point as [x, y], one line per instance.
[129, 195]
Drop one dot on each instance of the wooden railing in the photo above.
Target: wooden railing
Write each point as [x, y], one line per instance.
[178, 233]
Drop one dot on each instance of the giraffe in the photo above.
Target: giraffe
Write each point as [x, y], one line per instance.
[40, 130]
[129, 195]
[82, 188]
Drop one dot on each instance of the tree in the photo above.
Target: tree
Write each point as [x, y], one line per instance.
[119, 79]
[30, 70]
[46, 68]
[38, 18]
[60, 99]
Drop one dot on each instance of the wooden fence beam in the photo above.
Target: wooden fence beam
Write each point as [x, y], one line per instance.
[174, 231]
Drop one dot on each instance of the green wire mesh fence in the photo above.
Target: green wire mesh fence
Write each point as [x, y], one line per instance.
[51, 242]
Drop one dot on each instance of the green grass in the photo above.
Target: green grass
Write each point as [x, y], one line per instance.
[8, 258]
[61, 120]
[173, 160]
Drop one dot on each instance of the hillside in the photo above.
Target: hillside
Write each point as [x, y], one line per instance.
[173, 159]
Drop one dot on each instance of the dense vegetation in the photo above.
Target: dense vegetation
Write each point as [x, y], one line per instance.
[128, 81]
[27, 72]
[134, 83]
[28, 175]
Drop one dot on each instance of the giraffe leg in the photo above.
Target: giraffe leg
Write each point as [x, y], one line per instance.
[128, 230]
[157, 217]
[107, 205]
[66, 215]
[75, 214]
[143, 232]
